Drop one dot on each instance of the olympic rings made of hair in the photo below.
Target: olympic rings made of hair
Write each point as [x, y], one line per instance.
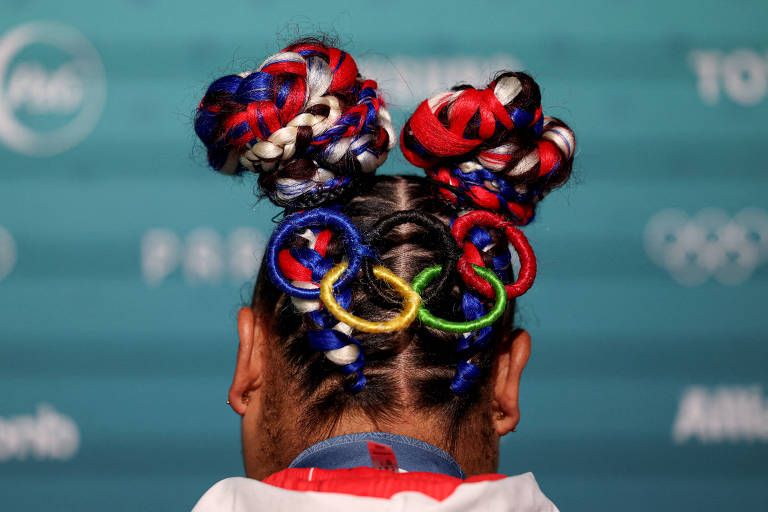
[320, 217]
[411, 301]
[445, 242]
[527, 274]
[427, 318]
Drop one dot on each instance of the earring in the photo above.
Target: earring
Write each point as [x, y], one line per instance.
[245, 398]
[500, 415]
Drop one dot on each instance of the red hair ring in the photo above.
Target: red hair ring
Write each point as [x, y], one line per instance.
[527, 274]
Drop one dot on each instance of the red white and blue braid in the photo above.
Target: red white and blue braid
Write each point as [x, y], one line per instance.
[289, 108]
[491, 148]
[304, 268]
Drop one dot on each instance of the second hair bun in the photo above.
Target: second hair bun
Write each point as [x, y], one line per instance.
[491, 148]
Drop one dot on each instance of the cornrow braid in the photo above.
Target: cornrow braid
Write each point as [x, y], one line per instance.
[313, 130]
[419, 366]
[491, 150]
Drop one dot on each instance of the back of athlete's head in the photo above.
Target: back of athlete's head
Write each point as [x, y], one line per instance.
[315, 131]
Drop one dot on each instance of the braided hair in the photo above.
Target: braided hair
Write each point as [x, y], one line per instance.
[305, 121]
[491, 148]
[315, 131]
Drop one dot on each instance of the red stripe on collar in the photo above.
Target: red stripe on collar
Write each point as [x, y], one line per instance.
[374, 483]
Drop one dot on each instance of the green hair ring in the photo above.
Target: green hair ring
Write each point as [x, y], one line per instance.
[425, 276]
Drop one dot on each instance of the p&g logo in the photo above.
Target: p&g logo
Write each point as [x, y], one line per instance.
[52, 88]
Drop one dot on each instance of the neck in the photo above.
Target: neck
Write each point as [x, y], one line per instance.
[272, 437]
[475, 446]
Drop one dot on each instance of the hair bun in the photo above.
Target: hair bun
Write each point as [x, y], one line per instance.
[491, 148]
[305, 121]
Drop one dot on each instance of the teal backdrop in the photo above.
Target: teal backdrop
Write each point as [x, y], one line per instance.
[123, 259]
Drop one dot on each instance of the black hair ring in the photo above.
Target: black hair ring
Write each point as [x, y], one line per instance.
[445, 241]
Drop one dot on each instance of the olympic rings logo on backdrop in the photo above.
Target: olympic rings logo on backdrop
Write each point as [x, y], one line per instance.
[711, 244]
[7, 253]
[52, 88]
[204, 256]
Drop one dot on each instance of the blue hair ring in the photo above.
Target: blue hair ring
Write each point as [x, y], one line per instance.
[319, 217]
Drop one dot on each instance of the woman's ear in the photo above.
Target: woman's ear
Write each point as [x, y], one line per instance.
[251, 354]
[510, 362]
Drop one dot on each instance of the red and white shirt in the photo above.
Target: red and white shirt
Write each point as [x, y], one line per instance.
[365, 489]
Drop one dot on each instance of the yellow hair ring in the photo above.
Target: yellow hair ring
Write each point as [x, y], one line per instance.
[411, 301]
